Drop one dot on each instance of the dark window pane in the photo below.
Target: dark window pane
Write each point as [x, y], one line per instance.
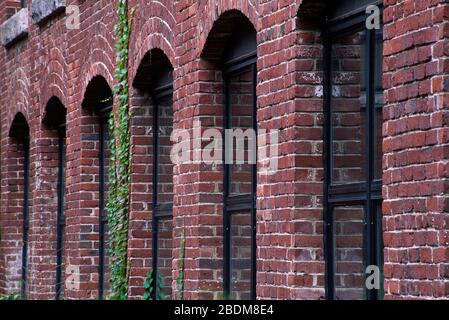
[348, 255]
[107, 269]
[379, 101]
[348, 107]
[241, 255]
[165, 256]
[244, 140]
[105, 153]
[165, 165]
[380, 249]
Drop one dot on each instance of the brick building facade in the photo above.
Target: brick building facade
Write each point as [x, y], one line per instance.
[362, 167]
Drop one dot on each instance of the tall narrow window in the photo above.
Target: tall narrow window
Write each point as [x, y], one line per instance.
[55, 120]
[155, 77]
[240, 169]
[162, 191]
[61, 216]
[98, 98]
[353, 152]
[21, 133]
[103, 116]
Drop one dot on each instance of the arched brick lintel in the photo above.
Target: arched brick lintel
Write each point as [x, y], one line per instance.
[20, 103]
[55, 80]
[99, 59]
[152, 28]
[211, 11]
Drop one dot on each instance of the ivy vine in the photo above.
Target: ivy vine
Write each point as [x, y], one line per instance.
[154, 290]
[120, 171]
[11, 296]
[181, 257]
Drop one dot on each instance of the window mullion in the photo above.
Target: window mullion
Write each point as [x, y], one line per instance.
[254, 190]
[328, 208]
[370, 244]
[226, 191]
[155, 219]
[26, 222]
[102, 154]
[60, 215]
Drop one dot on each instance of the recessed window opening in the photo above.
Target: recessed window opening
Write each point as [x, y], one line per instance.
[55, 119]
[155, 76]
[99, 99]
[20, 132]
[232, 45]
[353, 156]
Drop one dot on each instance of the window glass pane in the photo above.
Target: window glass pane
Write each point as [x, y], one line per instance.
[106, 156]
[165, 257]
[165, 165]
[106, 269]
[244, 139]
[348, 255]
[348, 107]
[379, 101]
[380, 249]
[241, 255]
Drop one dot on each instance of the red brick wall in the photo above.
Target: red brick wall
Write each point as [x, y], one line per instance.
[140, 234]
[416, 149]
[8, 8]
[42, 275]
[153, 27]
[12, 219]
[290, 99]
[55, 61]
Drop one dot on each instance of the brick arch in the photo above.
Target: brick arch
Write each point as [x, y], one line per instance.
[19, 93]
[54, 79]
[211, 11]
[153, 29]
[99, 58]
[12, 200]
[311, 12]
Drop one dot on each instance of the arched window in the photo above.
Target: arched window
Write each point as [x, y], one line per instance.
[99, 99]
[155, 76]
[20, 132]
[353, 149]
[55, 120]
[240, 179]
[232, 44]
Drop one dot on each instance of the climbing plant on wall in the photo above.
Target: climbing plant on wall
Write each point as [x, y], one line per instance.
[119, 172]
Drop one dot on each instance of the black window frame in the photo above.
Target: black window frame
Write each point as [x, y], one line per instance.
[26, 214]
[60, 209]
[103, 114]
[368, 193]
[20, 131]
[55, 120]
[160, 210]
[242, 202]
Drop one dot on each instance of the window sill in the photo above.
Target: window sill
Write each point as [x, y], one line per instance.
[43, 10]
[15, 28]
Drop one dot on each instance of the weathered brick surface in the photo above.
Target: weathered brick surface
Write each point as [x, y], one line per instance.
[56, 61]
[415, 147]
